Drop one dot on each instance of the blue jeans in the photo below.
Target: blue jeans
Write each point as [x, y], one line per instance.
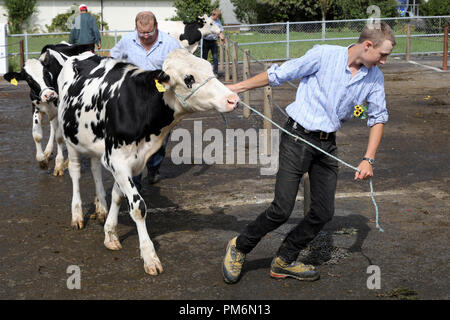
[211, 45]
[153, 163]
[295, 159]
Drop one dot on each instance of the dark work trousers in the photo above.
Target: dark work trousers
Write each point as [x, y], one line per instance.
[295, 159]
[211, 45]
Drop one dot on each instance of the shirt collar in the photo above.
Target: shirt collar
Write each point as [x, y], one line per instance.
[363, 70]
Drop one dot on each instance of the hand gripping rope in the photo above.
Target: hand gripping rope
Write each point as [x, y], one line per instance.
[330, 155]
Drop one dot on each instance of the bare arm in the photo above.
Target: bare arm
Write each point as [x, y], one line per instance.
[260, 80]
[376, 132]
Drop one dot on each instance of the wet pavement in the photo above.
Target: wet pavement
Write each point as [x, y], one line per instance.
[197, 208]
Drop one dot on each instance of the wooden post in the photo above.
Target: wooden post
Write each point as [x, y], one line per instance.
[268, 113]
[246, 75]
[408, 42]
[227, 60]
[221, 56]
[444, 60]
[234, 62]
[22, 54]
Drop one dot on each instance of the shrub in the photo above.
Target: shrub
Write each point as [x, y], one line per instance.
[18, 12]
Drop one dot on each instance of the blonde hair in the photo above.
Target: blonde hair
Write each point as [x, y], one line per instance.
[377, 34]
[145, 17]
[217, 12]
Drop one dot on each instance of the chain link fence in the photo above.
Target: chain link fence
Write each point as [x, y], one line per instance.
[274, 41]
[282, 41]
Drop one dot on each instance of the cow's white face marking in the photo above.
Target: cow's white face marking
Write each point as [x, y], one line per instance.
[35, 70]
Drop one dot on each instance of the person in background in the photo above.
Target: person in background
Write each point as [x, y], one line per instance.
[85, 31]
[210, 41]
[147, 48]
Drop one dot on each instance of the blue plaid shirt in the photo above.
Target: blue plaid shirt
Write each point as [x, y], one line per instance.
[327, 93]
[130, 48]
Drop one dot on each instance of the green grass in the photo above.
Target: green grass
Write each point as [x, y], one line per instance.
[260, 51]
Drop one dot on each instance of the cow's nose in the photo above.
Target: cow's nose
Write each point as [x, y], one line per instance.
[49, 97]
[232, 101]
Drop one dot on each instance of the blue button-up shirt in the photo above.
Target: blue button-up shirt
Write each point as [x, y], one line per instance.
[131, 49]
[327, 93]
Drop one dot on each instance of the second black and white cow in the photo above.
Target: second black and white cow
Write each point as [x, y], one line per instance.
[41, 76]
[189, 34]
[119, 115]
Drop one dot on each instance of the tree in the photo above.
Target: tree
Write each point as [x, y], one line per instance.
[357, 9]
[189, 10]
[62, 21]
[246, 11]
[18, 12]
[434, 8]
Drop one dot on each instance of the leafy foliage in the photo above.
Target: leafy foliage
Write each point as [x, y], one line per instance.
[189, 10]
[59, 23]
[435, 8]
[18, 12]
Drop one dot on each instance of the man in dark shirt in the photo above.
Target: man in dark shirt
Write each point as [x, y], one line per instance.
[85, 31]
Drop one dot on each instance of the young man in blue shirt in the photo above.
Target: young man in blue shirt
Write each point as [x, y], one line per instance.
[334, 80]
[147, 48]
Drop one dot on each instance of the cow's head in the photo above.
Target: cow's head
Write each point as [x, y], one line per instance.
[191, 85]
[39, 78]
[207, 25]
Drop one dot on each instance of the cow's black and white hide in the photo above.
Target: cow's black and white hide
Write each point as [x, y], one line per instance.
[41, 76]
[113, 112]
[189, 34]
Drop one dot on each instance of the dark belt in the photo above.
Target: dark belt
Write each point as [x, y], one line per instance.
[320, 134]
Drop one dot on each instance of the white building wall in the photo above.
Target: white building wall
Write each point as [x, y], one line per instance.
[119, 14]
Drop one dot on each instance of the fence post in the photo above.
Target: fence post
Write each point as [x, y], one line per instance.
[227, 60]
[26, 46]
[268, 113]
[246, 75]
[3, 48]
[444, 60]
[220, 56]
[287, 40]
[234, 61]
[22, 56]
[408, 41]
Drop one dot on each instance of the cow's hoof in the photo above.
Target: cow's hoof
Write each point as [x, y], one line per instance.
[43, 164]
[65, 164]
[113, 245]
[77, 224]
[154, 269]
[58, 172]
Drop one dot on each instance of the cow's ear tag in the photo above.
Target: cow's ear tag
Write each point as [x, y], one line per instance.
[159, 86]
[14, 81]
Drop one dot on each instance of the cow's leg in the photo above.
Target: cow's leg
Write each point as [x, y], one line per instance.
[111, 237]
[100, 195]
[60, 164]
[49, 148]
[138, 212]
[37, 137]
[74, 171]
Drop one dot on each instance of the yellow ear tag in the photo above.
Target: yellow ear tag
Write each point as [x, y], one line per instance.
[14, 82]
[159, 86]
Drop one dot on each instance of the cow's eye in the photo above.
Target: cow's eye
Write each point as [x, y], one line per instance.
[189, 80]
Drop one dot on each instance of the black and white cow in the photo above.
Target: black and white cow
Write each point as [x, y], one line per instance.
[41, 75]
[117, 114]
[189, 34]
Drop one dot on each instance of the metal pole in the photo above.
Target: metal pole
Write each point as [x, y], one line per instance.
[287, 40]
[408, 42]
[444, 60]
[22, 57]
[221, 56]
[26, 46]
